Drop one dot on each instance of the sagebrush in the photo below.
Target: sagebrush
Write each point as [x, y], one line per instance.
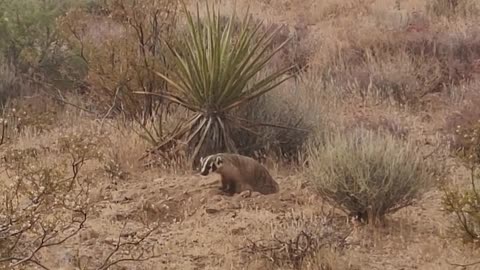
[368, 174]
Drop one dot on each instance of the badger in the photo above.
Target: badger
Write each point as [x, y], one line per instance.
[239, 173]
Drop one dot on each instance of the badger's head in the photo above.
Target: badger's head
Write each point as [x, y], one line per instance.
[210, 164]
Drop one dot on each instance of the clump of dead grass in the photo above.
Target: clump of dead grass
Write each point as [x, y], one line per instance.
[301, 242]
[301, 252]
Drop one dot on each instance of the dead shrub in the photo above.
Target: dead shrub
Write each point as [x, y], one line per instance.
[43, 205]
[292, 253]
[123, 46]
[46, 203]
[367, 174]
[452, 8]
[464, 205]
[464, 130]
[300, 243]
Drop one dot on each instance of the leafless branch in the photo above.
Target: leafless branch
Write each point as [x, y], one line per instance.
[464, 265]
[4, 131]
[119, 245]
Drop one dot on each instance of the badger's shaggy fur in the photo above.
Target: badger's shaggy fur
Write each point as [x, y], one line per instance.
[239, 173]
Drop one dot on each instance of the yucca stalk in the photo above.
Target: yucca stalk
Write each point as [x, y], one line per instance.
[216, 73]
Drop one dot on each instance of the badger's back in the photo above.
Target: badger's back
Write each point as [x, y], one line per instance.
[247, 171]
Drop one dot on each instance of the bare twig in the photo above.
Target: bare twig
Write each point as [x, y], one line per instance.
[119, 245]
[464, 265]
[4, 130]
[111, 107]
[29, 218]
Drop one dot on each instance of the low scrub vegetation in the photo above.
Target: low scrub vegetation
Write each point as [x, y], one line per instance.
[464, 205]
[464, 202]
[48, 202]
[368, 174]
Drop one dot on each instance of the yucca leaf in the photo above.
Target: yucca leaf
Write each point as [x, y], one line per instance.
[171, 98]
[203, 136]
[258, 92]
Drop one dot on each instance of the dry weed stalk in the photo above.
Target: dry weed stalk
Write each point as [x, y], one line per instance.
[292, 251]
[4, 130]
[295, 251]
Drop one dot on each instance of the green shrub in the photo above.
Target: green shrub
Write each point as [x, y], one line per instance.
[30, 39]
[367, 174]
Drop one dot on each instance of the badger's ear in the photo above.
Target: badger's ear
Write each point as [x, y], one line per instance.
[219, 160]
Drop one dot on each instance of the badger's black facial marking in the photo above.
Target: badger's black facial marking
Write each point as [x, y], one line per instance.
[213, 167]
[206, 164]
[218, 162]
[210, 164]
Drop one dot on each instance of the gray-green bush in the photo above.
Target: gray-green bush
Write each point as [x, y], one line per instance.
[367, 174]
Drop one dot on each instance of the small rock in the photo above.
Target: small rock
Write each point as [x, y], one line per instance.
[237, 231]
[211, 211]
[111, 241]
[157, 180]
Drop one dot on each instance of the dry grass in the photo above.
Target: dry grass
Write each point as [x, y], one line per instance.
[403, 66]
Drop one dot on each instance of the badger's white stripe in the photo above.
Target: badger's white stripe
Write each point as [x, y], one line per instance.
[206, 161]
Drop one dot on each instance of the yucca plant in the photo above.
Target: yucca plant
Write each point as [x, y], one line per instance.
[216, 72]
